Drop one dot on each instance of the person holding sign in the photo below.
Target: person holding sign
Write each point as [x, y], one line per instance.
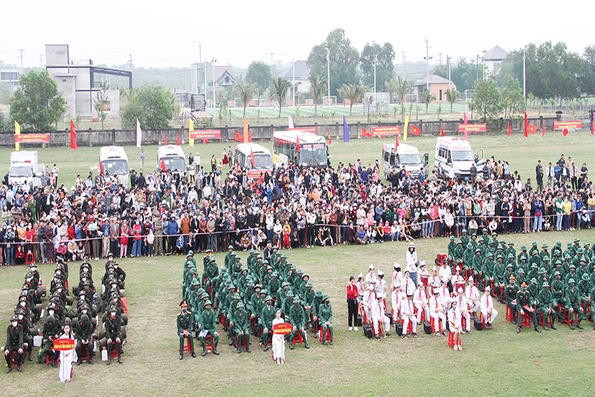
[278, 339]
[67, 354]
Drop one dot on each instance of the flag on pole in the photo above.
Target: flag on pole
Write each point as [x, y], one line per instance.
[73, 144]
[592, 122]
[532, 129]
[179, 140]
[164, 140]
[414, 130]
[565, 132]
[297, 145]
[239, 137]
[17, 131]
[162, 165]
[442, 131]
[465, 118]
[543, 130]
[247, 137]
[345, 130]
[205, 141]
[526, 125]
[190, 129]
[252, 158]
[366, 134]
[289, 122]
[508, 130]
[329, 136]
[139, 134]
[405, 129]
[396, 142]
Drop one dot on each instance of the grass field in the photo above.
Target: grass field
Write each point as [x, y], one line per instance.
[497, 362]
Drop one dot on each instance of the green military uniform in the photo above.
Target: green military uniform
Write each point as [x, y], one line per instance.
[325, 319]
[184, 324]
[297, 318]
[573, 304]
[240, 327]
[207, 323]
[451, 247]
[544, 305]
[266, 321]
[523, 300]
[14, 343]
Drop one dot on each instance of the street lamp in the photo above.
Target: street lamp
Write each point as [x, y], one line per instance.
[375, 61]
[293, 85]
[328, 76]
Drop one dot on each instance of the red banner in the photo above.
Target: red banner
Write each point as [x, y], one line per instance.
[31, 138]
[570, 125]
[282, 329]
[472, 127]
[205, 134]
[396, 130]
[311, 130]
[63, 344]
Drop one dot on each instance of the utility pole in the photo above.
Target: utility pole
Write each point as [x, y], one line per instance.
[213, 79]
[199, 60]
[21, 51]
[375, 61]
[41, 62]
[448, 63]
[404, 62]
[440, 58]
[293, 85]
[427, 66]
[328, 75]
[524, 78]
[130, 63]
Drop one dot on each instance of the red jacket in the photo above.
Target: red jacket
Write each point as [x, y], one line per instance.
[352, 292]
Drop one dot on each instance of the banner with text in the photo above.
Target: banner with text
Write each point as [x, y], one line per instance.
[395, 130]
[205, 134]
[473, 128]
[568, 125]
[32, 138]
[311, 130]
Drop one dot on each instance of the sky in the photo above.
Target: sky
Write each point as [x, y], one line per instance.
[236, 32]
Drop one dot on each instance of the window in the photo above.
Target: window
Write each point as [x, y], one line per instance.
[9, 76]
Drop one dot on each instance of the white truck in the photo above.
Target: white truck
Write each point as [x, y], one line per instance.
[456, 154]
[404, 157]
[25, 171]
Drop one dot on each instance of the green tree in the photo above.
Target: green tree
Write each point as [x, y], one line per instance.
[452, 95]
[383, 57]
[5, 94]
[427, 97]
[343, 58]
[279, 90]
[512, 98]
[259, 75]
[587, 71]
[152, 105]
[353, 92]
[463, 73]
[317, 89]
[246, 92]
[37, 104]
[486, 99]
[101, 102]
[402, 88]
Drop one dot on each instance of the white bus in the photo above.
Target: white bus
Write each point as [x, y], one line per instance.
[456, 153]
[114, 160]
[173, 158]
[263, 162]
[405, 157]
[312, 148]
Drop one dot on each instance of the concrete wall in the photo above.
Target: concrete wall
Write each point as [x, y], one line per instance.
[56, 54]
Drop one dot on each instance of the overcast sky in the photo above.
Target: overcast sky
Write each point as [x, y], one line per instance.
[165, 33]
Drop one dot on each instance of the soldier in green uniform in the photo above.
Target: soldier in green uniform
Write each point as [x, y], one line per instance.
[573, 305]
[240, 327]
[207, 326]
[522, 253]
[325, 313]
[458, 252]
[266, 321]
[113, 331]
[592, 302]
[297, 317]
[533, 249]
[544, 305]
[523, 303]
[558, 294]
[184, 329]
[14, 343]
[228, 262]
[451, 247]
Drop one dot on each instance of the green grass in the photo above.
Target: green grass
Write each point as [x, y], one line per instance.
[497, 362]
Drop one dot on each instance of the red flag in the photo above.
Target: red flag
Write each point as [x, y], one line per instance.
[526, 125]
[366, 134]
[542, 130]
[179, 141]
[247, 137]
[239, 137]
[414, 130]
[73, 144]
[100, 168]
[532, 129]
[464, 117]
[509, 130]
[442, 131]
[565, 131]
[164, 140]
[205, 141]
[396, 141]
[252, 156]
[162, 165]
[329, 137]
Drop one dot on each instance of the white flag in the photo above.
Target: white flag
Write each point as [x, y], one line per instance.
[139, 134]
[290, 122]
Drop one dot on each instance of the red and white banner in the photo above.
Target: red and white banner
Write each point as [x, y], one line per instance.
[473, 127]
[205, 134]
[31, 138]
[570, 125]
[395, 130]
[311, 130]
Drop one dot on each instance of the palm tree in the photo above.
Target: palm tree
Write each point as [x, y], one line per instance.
[353, 92]
[279, 91]
[402, 88]
[427, 97]
[317, 89]
[246, 92]
[452, 95]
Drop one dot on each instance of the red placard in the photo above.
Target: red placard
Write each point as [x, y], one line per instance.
[311, 130]
[282, 329]
[568, 125]
[473, 127]
[31, 138]
[205, 134]
[395, 130]
[63, 344]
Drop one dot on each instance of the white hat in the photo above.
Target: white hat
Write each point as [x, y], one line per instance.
[371, 287]
[422, 263]
[460, 289]
[371, 267]
[396, 265]
[411, 245]
[380, 273]
[360, 275]
[487, 288]
[398, 284]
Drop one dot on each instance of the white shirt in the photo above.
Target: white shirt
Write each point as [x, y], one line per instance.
[381, 288]
[436, 304]
[371, 278]
[486, 302]
[445, 274]
[419, 297]
[407, 308]
[472, 293]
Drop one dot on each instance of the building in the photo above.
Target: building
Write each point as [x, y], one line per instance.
[79, 84]
[11, 77]
[298, 73]
[437, 86]
[493, 59]
[221, 75]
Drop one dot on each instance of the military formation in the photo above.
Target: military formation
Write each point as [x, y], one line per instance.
[539, 284]
[83, 311]
[243, 299]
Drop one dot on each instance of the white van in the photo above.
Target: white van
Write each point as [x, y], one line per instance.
[114, 160]
[263, 161]
[405, 157]
[173, 157]
[456, 153]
